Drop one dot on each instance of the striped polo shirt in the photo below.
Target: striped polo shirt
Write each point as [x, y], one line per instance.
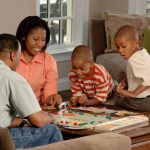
[98, 84]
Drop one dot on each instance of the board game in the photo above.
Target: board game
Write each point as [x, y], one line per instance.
[99, 119]
[71, 119]
[79, 120]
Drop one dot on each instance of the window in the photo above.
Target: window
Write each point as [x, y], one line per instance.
[59, 16]
[66, 20]
[148, 7]
[137, 7]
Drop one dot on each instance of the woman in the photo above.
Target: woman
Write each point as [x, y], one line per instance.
[36, 66]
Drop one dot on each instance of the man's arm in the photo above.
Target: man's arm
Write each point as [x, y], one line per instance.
[16, 122]
[40, 119]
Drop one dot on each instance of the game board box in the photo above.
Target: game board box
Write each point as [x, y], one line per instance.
[123, 124]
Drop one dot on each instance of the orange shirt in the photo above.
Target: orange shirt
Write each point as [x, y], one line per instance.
[41, 73]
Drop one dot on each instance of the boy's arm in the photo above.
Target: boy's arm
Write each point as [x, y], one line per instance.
[101, 91]
[84, 101]
[92, 102]
[75, 85]
[134, 93]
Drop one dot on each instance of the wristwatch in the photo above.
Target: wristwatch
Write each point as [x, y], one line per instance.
[23, 123]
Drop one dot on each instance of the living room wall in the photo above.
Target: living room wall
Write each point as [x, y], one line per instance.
[13, 11]
[97, 7]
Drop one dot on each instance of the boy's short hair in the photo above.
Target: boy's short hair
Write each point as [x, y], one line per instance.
[82, 51]
[9, 42]
[129, 31]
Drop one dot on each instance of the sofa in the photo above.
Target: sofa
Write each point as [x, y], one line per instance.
[104, 141]
[102, 39]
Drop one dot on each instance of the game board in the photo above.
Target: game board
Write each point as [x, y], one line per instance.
[79, 120]
[106, 119]
[103, 122]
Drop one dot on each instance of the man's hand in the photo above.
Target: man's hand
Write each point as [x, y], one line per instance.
[53, 119]
[40, 119]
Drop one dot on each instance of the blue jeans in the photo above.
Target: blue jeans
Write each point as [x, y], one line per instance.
[28, 137]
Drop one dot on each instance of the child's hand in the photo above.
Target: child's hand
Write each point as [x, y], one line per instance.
[121, 86]
[125, 93]
[74, 100]
[82, 100]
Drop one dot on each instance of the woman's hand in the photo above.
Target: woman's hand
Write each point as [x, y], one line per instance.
[54, 99]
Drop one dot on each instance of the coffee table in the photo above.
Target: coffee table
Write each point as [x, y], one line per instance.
[140, 137]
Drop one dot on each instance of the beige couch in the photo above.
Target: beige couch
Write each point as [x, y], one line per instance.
[105, 141]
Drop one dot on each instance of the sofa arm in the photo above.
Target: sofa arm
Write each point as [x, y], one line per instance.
[98, 37]
[6, 142]
[104, 141]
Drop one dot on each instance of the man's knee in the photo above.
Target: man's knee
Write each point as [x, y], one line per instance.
[54, 131]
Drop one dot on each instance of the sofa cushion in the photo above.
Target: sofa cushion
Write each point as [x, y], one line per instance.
[6, 142]
[105, 141]
[114, 63]
[113, 21]
[146, 40]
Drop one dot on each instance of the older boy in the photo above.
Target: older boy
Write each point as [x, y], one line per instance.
[134, 91]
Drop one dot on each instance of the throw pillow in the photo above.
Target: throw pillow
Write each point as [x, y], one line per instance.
[113, 21]
[146, 40]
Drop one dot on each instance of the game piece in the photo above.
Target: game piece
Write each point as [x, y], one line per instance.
[69, 107]
[56, 113]
[108, 115]
[81, 113]
[70, 111]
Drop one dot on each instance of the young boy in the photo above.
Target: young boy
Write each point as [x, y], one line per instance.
[134, 91]
[91, 83]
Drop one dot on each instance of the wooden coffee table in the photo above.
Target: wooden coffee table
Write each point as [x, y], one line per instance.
[139, 137]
